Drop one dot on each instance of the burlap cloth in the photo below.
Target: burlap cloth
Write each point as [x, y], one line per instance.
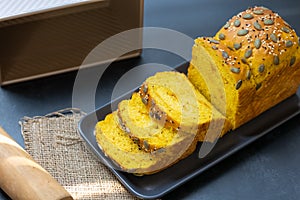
[53, 141]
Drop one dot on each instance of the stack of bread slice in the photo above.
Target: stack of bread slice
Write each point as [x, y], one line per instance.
[159, 125]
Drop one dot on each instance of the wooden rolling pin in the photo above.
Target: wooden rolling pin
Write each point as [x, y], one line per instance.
[22, 178]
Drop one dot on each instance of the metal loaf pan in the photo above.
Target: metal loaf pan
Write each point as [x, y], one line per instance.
[42, 38]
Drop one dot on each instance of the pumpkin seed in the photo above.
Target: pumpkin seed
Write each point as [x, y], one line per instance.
[146, 145]
[145, 89]
[214, 47]
[285, 29]
[248, 53]
[145, 100]
[288, 43]
[242, 32]
[160, 150]
[276, 60]
[257, 26]
[248, 16]
[214, 41]
[258, 86]
[238, 84]
[248, 75]
[237, 46]
[244, 61]
[258, 12]
[225, 54]
[293, 60]
[229, 47]
[261, 68]
[268, 22]
[273, 37]
[237, 23]
[226, 26]
[264, 8]
[257, 43]
[235, 70]
[221, 36]
[157, 116]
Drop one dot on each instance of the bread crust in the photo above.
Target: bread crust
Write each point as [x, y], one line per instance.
[257, 54]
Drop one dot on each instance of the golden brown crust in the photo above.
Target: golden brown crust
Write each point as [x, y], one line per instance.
[265, 41]
[258, 52]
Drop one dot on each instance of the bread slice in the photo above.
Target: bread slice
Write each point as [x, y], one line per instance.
[250, 65]
[174, 102]
[127, 155]
[134, 119]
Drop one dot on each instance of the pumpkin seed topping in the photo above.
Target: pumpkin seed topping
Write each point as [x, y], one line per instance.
[145, 89]
[237, 23]
[248, 53]
[244, 61]
[146, 145]
[214, 41]
[264, 8]
[157, 116]
[273, 37]
[248, 75]
[221, 36]
[293, 60]
[242, 32]
[288, 43]
[214, 47]
[258, 86]
[248, 16]
[238, 84]
[229, 47]
[237, 46]
[285, 29]
[160, 150]
[235, 70]
[258, 12]
[257, 26]
[276, 60]
[226, 26]
[145, 101]
[257, 43]
[261, 68]
[225, 54]
[268, 22]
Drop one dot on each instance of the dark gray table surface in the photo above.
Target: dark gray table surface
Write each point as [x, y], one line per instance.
[267, 169]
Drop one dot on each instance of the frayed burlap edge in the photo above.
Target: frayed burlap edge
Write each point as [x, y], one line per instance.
[53, 141]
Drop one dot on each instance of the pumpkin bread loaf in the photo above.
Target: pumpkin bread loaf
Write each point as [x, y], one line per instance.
[174, 102]
[250, 65]
[255, 59]
[129, 157]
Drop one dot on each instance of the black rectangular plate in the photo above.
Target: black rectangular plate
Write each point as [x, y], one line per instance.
[157, 185]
